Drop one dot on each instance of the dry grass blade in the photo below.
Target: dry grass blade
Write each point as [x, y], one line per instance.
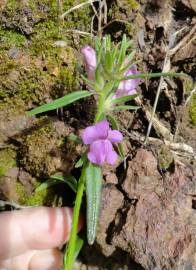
[184, 40]
[166, 67]
[77, 7]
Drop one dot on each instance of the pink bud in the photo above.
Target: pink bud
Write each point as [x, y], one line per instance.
[90, 61]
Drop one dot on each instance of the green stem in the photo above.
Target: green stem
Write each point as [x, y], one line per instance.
[100, 109]
[72, 240]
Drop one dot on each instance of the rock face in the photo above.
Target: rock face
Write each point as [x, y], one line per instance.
[157, 224]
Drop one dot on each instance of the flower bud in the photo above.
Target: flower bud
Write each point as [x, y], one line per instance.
[90, 61]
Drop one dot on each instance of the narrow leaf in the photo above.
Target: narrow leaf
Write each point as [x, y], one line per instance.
[108, 87]
[125, 107]
[75, 218]
[47, 184]
[131, 56]
[113, 121]
[123, 99]
[74, 138]
[93, 195]
[60, 102]
[81, 161]
[69, 180]
[55, 179]
[78, 247]
[152, 75]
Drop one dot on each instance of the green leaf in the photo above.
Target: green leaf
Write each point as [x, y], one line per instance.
[90, 83]
[108, 87]
[75, 218]
[60, 102]
[93, 196]
[113, 121]
[152, 75]
[123, 99]
[108, 62]
[131, 56]
[74, 138]
[55, 179]
[69, 180]
[125, 107]
[122, 50]
[81, 161]
[122, 54]
[98, 77]
[47, 184]
[126, 68]
[78, 246]
[108, 42]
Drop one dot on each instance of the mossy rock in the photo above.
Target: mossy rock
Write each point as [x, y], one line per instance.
[7, 160]
[192, 110]
[129, 4]
[45, 197]
[44, 151]
[33, 69]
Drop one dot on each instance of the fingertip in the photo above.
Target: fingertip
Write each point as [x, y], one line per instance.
[46, 260]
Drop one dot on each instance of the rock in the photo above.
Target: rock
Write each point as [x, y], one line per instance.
[14, 53]
[12, 121]
[44, 151]
[158, 227]
[112, 200]
[8, 184]
[190, 4]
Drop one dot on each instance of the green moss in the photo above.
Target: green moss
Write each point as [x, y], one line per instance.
[35, 151]
[7, 160]
[39, 198]
[7, 65]
[133, 4]
[25, 84]
[192, 110]
[44, 70]
[10, 7]
[165, 157]
[9, 38]
[44, 197]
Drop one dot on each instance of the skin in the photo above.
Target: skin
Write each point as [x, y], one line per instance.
[30, 238]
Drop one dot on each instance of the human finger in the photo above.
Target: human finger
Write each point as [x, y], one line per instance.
[33, 228]
[34, 260]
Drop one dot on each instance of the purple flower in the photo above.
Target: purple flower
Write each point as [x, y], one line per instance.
[90, 61]
[128, 87]
[100, 138]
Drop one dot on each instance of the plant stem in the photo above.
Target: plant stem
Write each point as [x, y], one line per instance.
[100, 109]
[72, 240]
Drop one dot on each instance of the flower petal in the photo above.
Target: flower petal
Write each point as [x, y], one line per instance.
[115, 136]
[96, 132]
[128, 87]
[132, 83]
[90, 61]
[111, 155]
[97, 152]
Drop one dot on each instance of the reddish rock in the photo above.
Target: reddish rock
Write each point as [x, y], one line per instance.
[112, 200]
[157, 223]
